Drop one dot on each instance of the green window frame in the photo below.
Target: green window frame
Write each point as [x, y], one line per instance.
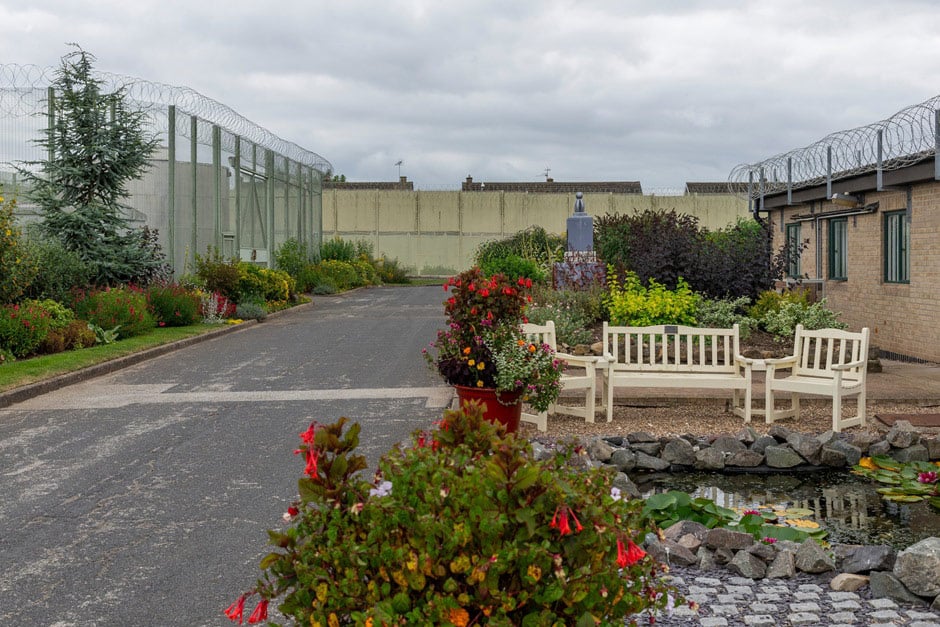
[793, 251]
[897, 247]
[838, 249]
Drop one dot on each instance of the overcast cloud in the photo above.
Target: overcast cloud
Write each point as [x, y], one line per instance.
[660, 92]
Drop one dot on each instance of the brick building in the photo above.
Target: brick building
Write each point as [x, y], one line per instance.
[872, 233]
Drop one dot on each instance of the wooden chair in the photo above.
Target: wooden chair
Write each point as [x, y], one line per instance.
[826, 362]
[581, 374]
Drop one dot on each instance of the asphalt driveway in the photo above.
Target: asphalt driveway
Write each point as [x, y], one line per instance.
[143, 497]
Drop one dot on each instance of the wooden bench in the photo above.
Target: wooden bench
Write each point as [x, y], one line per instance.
[676, 356]
[825, 362]
[580, 374]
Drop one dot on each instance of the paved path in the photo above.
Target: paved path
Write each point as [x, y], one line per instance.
[729, 601]
[142, 497]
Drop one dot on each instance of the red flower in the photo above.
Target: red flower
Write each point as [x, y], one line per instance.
[560, 520]
[292, 511]
[629, 556]
[260, 613]
[484, 292]
[307, 436]
[236, 609]
[312, 459]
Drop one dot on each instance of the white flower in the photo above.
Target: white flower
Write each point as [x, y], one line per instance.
[615, 493]
[383, 489]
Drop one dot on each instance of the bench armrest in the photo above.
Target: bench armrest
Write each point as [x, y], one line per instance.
[582, 361]
[777, 361]
[849, 366]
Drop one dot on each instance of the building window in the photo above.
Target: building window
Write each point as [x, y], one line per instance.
[794, 248]
[897, 242]
[838, 248]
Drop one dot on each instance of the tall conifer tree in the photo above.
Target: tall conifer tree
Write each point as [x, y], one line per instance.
[97, 144]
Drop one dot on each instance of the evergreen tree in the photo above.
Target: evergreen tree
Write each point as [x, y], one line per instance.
[96, 145]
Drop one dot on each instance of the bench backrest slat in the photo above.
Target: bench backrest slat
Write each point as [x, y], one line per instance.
[671, 348]
[818, 351]
[541, 333]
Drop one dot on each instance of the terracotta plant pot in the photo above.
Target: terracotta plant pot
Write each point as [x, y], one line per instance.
[503, 408]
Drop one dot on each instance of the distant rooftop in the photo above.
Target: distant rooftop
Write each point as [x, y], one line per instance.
[551, 186]
[723, 187]
[401, 183]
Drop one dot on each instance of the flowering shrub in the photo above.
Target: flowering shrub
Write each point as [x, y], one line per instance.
[122, 307]
[214, 307]
[218, 274]
[271, 286]
[173, 305]
[23, 327]
[462, 527]
[631, 304]
[483, 345]
[16, 269]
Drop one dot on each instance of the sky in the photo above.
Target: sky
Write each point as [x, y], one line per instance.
[659, 92]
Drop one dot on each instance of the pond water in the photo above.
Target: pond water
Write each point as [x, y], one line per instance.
[846, 505]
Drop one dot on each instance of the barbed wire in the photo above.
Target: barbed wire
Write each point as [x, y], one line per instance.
[19, 85]
[907, 137]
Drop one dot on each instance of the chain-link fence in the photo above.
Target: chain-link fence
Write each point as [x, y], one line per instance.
[218, 180]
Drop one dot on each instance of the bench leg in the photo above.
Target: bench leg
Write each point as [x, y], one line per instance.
[610, 400]
[837, 411]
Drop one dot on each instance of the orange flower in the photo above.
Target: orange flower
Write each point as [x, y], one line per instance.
[531, 348]
[466, 351]
[459, 617]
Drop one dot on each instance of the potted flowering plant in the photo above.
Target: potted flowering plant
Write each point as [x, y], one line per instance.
[483, 352]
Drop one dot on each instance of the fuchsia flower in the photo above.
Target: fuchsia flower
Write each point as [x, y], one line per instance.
[629, 555]
[236, 609]
[260, 613]
[751, 512]
[560, 520]
[311, 454]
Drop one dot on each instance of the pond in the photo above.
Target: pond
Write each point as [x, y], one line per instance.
[847, 506]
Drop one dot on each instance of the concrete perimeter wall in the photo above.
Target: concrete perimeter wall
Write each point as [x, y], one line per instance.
[437, 232]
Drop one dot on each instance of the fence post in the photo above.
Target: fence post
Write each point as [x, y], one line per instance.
[171, 185]
[193, 158]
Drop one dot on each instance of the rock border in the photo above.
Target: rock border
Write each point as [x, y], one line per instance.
[909, 576]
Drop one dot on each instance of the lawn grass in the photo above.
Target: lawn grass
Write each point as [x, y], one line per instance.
[25, 371]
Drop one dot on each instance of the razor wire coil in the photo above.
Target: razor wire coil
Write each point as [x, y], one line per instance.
[907, 137]
[23, 89]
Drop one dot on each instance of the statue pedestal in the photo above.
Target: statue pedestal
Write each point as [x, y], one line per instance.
[579, 271]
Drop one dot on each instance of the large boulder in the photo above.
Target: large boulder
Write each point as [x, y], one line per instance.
[623, 459]
[918, 567]
[913, 453]
[782, 457]
[600, 450]
[864, 559]
[648, 462]
[902, 435]
[811, 558]
[709, 459]
[720, 538]
[806, 445]
[886, 585]
[748, 565]
[678, 451]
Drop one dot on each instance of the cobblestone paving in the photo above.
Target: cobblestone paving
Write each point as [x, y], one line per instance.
[729, 601]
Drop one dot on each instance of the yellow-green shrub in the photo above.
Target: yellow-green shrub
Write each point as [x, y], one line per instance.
[340, 274]
[630, 303]
[257, 283]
